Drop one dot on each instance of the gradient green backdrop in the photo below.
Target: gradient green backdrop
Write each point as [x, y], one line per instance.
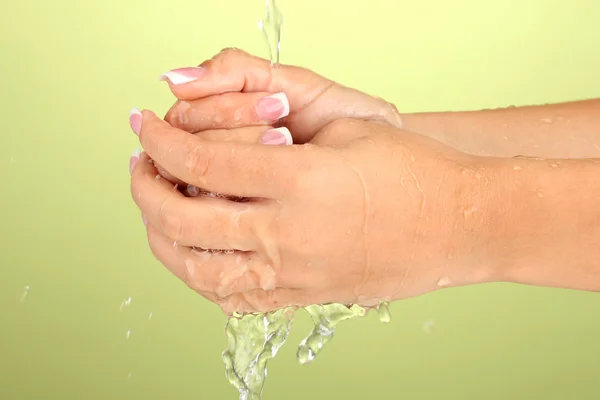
[70, 72]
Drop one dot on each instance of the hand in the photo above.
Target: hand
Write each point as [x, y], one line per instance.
[228, 91]
[235, 89]
[364, 213]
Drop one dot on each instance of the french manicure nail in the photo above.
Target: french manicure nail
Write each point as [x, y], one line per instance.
[279, 136]
[135, 121]
[273, 107]
[135, 157]
[180, 76]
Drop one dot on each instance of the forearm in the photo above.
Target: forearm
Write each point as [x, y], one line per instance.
[545, 222]
[568, 130]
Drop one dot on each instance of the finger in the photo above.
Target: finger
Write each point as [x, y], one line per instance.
[211, 223]
[163, 250]
[229, 71]
[242, 135]
[308, 93]
[228, 110]
[231, 168]
[220, 273]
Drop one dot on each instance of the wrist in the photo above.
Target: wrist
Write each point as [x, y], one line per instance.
[543, 222]
[474, 243]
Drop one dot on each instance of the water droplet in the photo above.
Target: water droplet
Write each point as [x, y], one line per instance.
[193, 191]
[546, 120]
[149, 315]
[26, 290]
[517, 168]
[428, 326]
[129, 376]
[128, 334]
[305, 354]
[12, 160]
[384, 312]
[125, 303]
[444, 282]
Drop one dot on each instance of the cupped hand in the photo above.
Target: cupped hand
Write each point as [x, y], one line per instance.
[365, 212]
[236, 89]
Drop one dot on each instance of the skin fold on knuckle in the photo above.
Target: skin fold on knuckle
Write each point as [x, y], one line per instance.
[197, 165]
[171, 223]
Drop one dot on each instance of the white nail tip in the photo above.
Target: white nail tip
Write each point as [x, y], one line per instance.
[135, 111]
[286, 133]
[137, 153]
[177, 78]
[286, 104]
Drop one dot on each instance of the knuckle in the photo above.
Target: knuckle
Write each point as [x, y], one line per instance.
[336, 128]
[135, 187]
[230, 52]
[391, 115]
[152, 243]
[198, 160]
[170, 222]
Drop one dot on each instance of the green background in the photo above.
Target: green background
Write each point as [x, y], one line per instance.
[70, 72]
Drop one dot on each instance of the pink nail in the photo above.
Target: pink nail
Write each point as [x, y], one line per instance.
[274, 107]
[135, 121]
[144, 220]
[180, 76]
[134, 160]
[279, 136]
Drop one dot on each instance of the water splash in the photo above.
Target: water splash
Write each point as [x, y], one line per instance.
[256, 338]
[270, 26]
[326, 318]
[253, 340]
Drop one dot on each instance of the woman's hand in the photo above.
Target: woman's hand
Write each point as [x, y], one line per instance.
[363, 213]
[235, 89]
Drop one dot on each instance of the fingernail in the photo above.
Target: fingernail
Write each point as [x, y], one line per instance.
[274, 107]
[279, 136]
[144, 220]
[135, 157]
[135, 121]
[180, 76]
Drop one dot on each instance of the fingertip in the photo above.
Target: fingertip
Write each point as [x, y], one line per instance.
[149, 118]
[278, 136]
[135, 120]
[289, 140]
[181, 76]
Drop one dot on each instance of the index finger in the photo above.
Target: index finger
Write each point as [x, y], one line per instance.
[228, 71]
[237, 71]
[229, 168]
